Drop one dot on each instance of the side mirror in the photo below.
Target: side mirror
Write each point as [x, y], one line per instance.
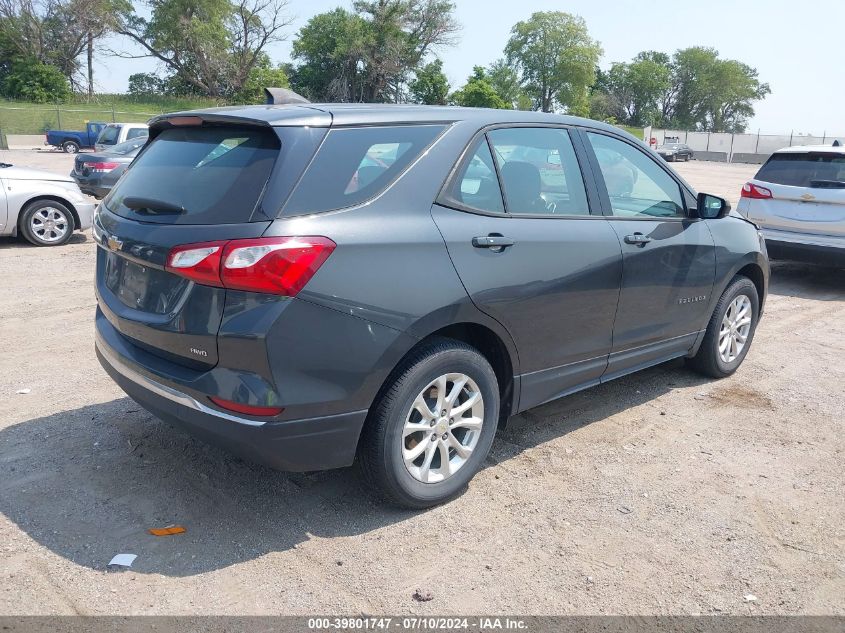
[712, 207]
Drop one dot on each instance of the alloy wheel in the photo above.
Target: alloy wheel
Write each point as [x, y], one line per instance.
[442, 428]
[736, 325]
[49, 225]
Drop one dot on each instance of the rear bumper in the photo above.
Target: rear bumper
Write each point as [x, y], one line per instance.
[293, 445]
[817, 249]
[811, 253]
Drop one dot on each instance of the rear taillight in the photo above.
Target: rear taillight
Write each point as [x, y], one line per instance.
[102, 168]
[275, 265]
[750, 190]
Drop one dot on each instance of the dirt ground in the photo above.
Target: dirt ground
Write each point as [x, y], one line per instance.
[660, 493]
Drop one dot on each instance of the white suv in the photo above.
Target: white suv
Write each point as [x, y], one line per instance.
[798, 201]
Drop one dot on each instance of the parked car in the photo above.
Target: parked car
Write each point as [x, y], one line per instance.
[675, 151]
[96, 173]
[71, 141]
[249, 295]
[116, 133]
[45, 208]
[797, 199]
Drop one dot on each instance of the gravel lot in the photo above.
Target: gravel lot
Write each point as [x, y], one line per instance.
[660, 493]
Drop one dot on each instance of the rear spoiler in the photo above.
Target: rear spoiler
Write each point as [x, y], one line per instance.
[282, 96]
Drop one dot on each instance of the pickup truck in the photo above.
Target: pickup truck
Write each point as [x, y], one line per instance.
[71, 141]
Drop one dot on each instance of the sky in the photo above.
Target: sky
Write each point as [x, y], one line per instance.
[795, 46]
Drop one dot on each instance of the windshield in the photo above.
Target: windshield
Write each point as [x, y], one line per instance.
[213, 175]
[805, 169]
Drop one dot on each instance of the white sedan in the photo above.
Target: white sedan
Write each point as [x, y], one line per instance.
[45, 208]
[798, 201]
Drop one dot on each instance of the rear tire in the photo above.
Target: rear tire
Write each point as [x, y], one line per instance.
[70, 147]
[728, 336]
[404, 443]
[47, 223]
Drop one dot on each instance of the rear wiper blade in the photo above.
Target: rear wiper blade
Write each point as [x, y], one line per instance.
[3, 165]
[151, 205]
[828, 184]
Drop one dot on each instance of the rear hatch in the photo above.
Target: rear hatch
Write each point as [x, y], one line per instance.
[807, 193]
[193, 183]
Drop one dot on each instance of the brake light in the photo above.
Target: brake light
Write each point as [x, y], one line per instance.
[756, 192]
[198, 262]
[246, 409]
[275, 265]
[102, 168]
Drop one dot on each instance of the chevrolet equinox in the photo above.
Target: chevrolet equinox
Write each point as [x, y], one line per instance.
[314, 285]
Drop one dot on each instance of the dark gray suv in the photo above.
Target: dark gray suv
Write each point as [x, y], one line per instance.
[307, 285]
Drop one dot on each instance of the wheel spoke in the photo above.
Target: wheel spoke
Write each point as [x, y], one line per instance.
[445, 466]
[460, 449]
[457, 387]
[471, 424]
[421, 406]
[410, 454]
[464, 406]
[440, 385]
[430, 450]
[412, 427]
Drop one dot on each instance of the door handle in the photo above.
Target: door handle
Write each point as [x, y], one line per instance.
[637, 238]
[493, 241]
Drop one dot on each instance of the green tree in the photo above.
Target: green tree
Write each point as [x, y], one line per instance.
[479, 93]
[30, 80]
[212, 45]
[507, 83]
[712, 94]
[263, 75]
[636, 89]
[430, 85]
[557, 59]
[371, 53]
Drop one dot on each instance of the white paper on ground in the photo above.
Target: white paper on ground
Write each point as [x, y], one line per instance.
[124, 560]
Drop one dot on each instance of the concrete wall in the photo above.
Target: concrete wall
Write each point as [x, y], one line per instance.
[25, 141]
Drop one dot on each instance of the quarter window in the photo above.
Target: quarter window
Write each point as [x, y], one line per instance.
[477, 186]
[539, 171]
[636, 185]
[355, 164]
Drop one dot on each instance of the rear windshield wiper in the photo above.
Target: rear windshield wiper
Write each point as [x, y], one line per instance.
[828, 184]
[3, 165]
[151, 205]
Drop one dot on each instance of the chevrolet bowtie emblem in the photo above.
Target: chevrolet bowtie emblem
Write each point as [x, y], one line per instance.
[114, 243]
[808, 196]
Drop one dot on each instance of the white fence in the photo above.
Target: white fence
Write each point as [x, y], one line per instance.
[742, 148]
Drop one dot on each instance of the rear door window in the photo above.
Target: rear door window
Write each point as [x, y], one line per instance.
[818, 170]
[356, 164]
[197, 175]
[137, 132]
[539, 171]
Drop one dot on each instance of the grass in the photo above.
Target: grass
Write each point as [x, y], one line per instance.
[21, 117]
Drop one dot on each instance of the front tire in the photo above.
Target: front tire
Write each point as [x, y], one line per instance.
[730, 331]
[47, 223]
[431, 429]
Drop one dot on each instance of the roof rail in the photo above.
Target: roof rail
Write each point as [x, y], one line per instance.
[282, 96]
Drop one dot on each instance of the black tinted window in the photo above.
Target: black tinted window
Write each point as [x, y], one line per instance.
[539, 171]
[811, 169]
[216, 174]
[356, 164]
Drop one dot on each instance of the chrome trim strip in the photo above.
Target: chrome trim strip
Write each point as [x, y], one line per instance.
[164, 391]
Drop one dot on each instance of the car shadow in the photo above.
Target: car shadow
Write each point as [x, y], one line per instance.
[8, 243]
[807, 281]
[87, 483]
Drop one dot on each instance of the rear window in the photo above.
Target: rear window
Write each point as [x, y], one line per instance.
[109, 135]
[810, 169]
[197, 175]
[355, 164]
